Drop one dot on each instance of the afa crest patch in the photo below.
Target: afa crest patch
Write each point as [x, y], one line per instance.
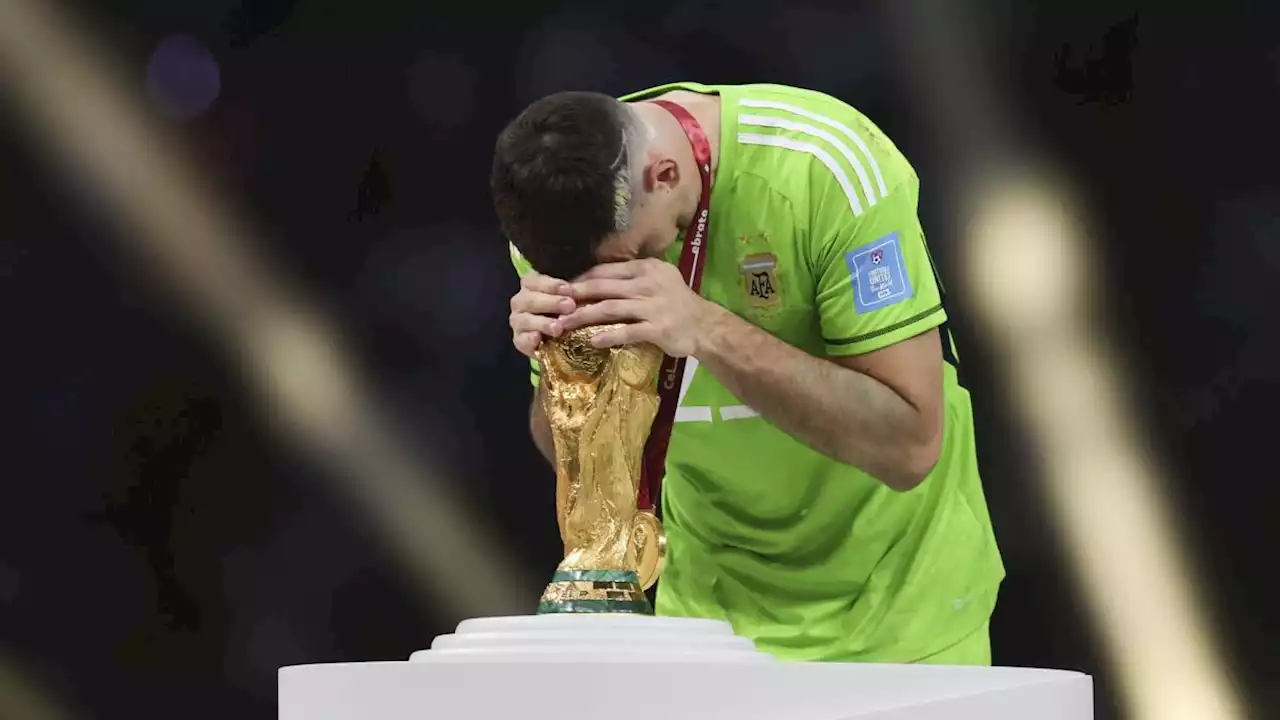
[760, 279]
[879, 274]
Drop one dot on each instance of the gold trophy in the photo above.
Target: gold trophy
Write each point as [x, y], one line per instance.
[601, 404]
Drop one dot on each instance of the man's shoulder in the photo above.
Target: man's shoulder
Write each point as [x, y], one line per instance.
[784, 98]
[813, 147]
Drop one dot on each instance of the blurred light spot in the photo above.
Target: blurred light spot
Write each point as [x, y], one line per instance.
[297, 359]
[443, 89]
[182, 77]
[1027, 272]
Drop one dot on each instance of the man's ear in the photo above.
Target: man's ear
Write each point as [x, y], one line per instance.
[664, 173]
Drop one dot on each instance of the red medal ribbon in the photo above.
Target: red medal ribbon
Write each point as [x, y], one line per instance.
[692, 255]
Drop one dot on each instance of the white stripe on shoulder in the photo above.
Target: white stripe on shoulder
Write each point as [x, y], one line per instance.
[843, 129]
[837, 143]
[783, 141]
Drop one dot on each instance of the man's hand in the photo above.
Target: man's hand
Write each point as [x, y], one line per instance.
[650, 296]
[536, 311]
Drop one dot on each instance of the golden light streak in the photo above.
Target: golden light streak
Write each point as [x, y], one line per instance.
[92, 127]
[1026, 263]
[22, 697]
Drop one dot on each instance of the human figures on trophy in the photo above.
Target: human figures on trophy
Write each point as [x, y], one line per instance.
[601, 404]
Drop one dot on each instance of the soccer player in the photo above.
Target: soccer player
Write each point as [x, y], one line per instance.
[822, 490]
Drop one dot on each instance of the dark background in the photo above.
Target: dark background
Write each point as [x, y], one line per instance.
[161, 553]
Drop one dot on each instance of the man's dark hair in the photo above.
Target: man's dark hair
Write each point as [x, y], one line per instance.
[561, 179]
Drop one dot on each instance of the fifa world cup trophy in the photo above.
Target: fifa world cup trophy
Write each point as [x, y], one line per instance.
[601, 404]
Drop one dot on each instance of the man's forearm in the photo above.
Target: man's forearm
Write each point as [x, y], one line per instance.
[540, 429]
[835, 410]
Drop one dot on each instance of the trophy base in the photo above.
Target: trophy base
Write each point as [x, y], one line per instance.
[633, 667]
[582, 592]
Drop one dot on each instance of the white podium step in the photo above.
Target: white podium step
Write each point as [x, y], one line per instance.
[633, 667]
[591, 638]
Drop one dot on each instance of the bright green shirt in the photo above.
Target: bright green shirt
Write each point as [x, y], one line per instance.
[814, 238]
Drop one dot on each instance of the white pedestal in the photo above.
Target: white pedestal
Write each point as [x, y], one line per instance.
[621, 667]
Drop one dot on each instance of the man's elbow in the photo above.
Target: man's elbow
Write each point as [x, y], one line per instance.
[914, 464]
[918, 463]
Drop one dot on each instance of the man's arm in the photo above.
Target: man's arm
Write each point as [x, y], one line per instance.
[880, 412]
[875, 399]
[540, 428]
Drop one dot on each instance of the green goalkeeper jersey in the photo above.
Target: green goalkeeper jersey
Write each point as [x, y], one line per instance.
[814, 238]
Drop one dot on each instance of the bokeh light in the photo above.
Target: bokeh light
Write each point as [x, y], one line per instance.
[183, 78]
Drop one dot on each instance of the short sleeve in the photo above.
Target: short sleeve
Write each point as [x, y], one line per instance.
[523, 268]
[876, 282]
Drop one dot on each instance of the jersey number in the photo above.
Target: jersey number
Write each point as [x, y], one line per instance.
[702, 413]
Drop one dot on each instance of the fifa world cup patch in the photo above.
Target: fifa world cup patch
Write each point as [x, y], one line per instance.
[879, 274]
[760, 279]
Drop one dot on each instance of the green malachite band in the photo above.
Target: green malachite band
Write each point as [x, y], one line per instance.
[583, 607]
[616, 576]
[595, 591]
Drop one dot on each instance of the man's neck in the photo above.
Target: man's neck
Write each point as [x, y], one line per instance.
[704, 108]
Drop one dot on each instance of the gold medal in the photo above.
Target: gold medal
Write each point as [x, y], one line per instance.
[650, 544]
